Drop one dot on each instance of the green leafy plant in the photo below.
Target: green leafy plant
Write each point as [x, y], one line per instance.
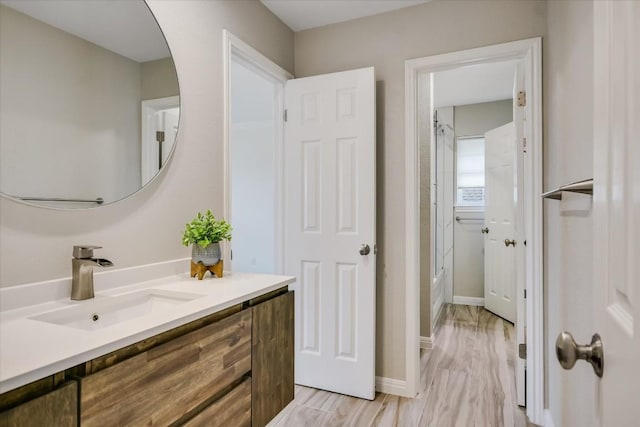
[206, 229]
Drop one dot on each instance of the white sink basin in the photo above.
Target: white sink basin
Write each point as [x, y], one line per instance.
[102, 312]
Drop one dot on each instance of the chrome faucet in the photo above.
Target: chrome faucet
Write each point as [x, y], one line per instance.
[82, 271]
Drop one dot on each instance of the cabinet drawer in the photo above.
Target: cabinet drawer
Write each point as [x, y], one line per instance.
[233, 409]
[161, 385]
[56, 408]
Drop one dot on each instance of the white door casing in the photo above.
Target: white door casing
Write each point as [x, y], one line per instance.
[500, 205]
[524, 213]
[530, 52]
[330, 202]
[617, 208]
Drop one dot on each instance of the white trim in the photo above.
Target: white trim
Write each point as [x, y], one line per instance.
[426, 343]
[468, 300]
[412, 239]
[548, 419]
[234, 47]
[530, 50]
[437, 297]
[149, 153]
[391, 386]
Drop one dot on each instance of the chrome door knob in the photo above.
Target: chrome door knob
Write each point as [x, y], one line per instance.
[568, 352]
[485, 230]
[508, 242]
[364, 249]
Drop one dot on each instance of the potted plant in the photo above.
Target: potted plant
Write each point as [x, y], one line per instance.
[205, 233]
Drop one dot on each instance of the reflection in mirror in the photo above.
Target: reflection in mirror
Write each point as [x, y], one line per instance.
[89, 100]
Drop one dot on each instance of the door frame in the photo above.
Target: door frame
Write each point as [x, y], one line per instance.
[234, 47]
[529, 50]
[149, 154]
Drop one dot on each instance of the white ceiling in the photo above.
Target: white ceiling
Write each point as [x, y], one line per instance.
[121, 26]
[474, 84]
[304, 14]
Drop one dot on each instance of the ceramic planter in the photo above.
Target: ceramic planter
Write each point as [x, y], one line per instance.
[208, 256]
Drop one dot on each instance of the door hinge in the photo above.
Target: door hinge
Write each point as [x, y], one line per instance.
[525, 294]
[524, 143]
[522, 98]
[285, 115]
[375, 249]
[522, 351]
[231, 254]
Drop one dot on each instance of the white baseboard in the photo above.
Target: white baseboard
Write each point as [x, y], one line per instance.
[426, 342]
[391, 386]
[548, 420]
[468, 300]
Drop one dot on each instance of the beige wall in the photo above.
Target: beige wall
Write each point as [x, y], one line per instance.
[386, 41]
[36, 243]
[158, 79]
[568, 97]
[476, 119]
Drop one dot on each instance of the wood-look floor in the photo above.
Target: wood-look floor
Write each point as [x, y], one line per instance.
[467, 379]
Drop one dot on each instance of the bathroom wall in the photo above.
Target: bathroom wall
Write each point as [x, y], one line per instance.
[36, 79]
[571, 396]
[468, 247]
[36, 243]
[158, 79]
[476, 119]
[386, 41]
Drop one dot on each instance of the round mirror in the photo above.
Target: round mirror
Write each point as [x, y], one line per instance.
[89, 101]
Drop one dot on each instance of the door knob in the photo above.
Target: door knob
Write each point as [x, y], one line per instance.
[485, 230]
[568, 352]
[364, 249]
[508, 242]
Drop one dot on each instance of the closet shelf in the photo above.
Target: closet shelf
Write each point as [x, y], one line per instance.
[583, 187]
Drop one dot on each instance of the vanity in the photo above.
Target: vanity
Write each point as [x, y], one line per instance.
[216, 352]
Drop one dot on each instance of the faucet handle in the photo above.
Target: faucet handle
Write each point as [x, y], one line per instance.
[84, 251]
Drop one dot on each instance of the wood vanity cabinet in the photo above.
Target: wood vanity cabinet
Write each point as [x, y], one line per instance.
[232, 368]
[56, 408]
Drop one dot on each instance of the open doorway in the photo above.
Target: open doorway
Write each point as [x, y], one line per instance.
[254, 123]
[441, 156]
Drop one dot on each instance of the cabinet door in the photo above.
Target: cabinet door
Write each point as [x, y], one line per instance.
[272, 358]
[57, 408]
[172, 380]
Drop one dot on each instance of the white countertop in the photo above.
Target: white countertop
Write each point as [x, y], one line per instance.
[32, 349]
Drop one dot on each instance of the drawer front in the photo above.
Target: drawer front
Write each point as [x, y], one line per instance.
[56, 408]
[233, 409]
[161, 385]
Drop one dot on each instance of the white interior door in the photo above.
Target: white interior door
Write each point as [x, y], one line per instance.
[500, 204]
[617, 208]
[330, 202]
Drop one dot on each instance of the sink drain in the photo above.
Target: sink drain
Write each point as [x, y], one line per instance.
[95, 317]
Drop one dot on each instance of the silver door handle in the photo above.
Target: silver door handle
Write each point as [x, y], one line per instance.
[364, 249]
[568, 352]
[485, 230]
[508, 242]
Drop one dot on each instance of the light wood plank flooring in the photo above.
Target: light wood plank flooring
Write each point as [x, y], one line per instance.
[467, 379]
